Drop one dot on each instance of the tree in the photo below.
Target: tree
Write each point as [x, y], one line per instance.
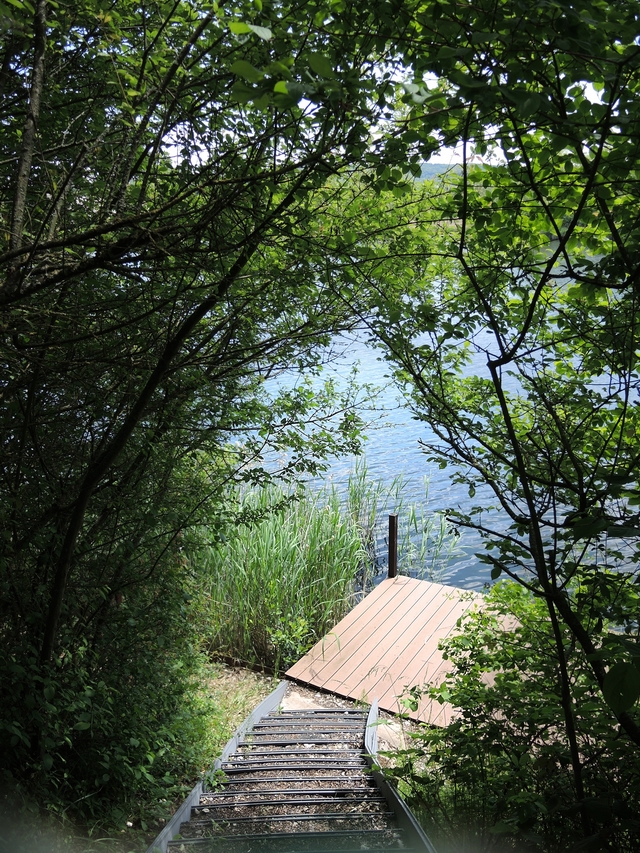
[159, 163]
[533, 268]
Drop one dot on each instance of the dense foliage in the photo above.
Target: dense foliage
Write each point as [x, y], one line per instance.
[542, 291]
[499, 776]
[508, 303]
[158, 262]
[176, 227]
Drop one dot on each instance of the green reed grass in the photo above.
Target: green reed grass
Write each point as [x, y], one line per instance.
[277, 586]
[426, 541]
[281, 580]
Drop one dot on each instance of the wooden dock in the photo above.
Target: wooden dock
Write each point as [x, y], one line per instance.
[387, 644]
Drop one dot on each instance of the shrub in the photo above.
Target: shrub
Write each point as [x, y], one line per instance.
[500, 775]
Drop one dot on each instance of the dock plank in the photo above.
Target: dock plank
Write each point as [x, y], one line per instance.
[374, 645]
[386, 646]
[387, 643]
[357, 627]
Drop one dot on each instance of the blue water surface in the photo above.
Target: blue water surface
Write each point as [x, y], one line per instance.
[392, 449]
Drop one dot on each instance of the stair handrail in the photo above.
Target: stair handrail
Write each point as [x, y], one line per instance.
[403, 814]
[273, 700]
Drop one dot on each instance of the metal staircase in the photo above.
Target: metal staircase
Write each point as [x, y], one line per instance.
[296, 782]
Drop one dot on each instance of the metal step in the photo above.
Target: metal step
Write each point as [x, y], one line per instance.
[271, 750]
[228, 800]
[297, 782]
[299, 842]
[346, 781]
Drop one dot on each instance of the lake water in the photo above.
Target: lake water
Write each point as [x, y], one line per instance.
[392, 450]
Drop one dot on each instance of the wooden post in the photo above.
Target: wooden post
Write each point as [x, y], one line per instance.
[393, 545]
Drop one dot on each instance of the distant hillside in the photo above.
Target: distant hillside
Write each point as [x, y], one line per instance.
[432, 170]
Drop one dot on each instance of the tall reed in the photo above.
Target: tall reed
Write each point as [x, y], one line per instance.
[426, 542]
[277, 586]
[284, 576]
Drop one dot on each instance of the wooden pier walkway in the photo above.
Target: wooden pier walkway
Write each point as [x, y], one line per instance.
[387, 644]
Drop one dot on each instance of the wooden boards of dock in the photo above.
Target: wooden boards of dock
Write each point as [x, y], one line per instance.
[387, 644]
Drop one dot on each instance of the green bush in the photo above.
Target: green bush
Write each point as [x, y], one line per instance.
[112, 725]
[500, 775]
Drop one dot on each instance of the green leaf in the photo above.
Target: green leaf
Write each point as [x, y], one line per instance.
[247, 71]
[631, 647]
[622, 530]
[585, 527]
[621, 687]
[239, 28]
[410, 703]
[279, 69]
[262, 32]
[242, 92]
[496, 571]
[82, 725]
[501, 828]
[321, 64]
[287, 94]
